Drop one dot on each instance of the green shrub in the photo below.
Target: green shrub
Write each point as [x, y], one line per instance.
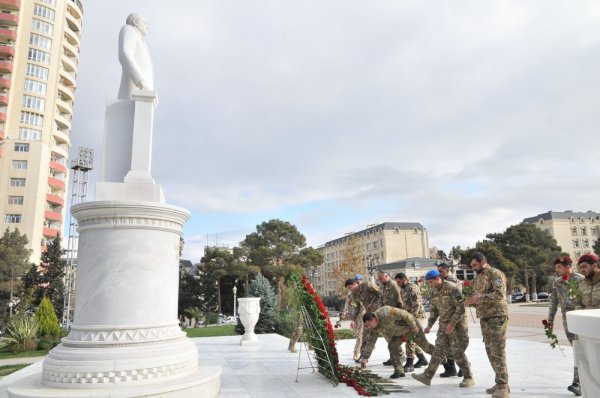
[286, 323]
[211, 318]
[47, 342]
[47, 319]
[344, 334]
[21, 333]
[261, 287]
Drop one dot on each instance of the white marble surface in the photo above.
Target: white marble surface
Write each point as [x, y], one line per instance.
[586, 323]
[249, 310]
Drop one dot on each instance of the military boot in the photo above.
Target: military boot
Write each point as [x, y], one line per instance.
[502, 391]
[422, 377]
[397, 373]
[492, 389]
[467, 382]
[388, 362]
[422, 361]
[408, 366]
[449, 369]
[575, 389]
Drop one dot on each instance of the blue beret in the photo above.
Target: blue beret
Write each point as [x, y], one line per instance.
[432, 274]
[358, 277]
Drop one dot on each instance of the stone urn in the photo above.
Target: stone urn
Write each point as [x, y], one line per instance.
[586, 325]
[249, 310]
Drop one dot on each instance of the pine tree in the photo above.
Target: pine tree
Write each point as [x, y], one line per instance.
[261, 287]
[14, 262]
[53, 273]
[47, 319]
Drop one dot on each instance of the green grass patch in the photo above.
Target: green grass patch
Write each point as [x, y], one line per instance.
[536, 305]
[344, 334]
[211, 331]
[26, 354]
[8, 369]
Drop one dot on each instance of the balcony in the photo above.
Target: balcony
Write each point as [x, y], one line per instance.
[1, 135]
[58, 167]
[2, 117]
[62, 121]
[3, 100]
[56, 183]
[6, 66]
[68, 63]
[60, 151]
[52, 215]
[13, 5]
[7, 51]
[62, 137]
[74, 23]
[7, 19]
[55, 199]
[51, 232]
[4, 84]
[66, 91]
[68, 77]
[76, 7]
[64, 106]
[71, 51]
[72, 37]
[7, 34]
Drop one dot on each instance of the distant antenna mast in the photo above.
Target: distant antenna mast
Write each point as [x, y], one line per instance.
[81, 167]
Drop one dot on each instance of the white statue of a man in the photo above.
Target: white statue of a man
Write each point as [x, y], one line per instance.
[134, 56]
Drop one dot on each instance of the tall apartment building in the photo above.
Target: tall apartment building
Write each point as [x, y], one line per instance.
[575, 232]
[39, 54]
[377, 244]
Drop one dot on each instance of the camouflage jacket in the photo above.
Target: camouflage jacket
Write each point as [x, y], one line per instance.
[390, 294]
[354, 310]
[448, 305]
[490, 285]
[366, 298]
[560, 296]
[452, 278]
[393, 322]
[588, 294]
[412, 300]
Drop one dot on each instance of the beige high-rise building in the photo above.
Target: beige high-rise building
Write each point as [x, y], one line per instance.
[39, 54]
[575, 232]
[377, 244]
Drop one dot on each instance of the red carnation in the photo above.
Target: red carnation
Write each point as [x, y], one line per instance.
[467, 283]
[565, 278]
[545, 322]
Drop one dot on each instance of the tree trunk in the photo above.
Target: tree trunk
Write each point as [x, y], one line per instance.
[219, 294]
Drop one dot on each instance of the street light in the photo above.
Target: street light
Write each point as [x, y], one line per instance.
[371, 267]
[234, 294]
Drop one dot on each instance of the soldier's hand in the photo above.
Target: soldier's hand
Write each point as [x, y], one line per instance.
[352, 325]
[427, 329]
[450, 328]
[550, 324]
[363, 363]
[342, 314]
[415, 330]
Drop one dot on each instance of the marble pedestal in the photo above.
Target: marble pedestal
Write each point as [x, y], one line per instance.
[586, 325]
[125, 339]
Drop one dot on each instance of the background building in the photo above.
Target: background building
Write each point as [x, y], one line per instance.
[575, 232]
[39, 54]
[377, 244]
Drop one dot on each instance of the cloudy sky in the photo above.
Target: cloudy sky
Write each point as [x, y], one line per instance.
[466, 116]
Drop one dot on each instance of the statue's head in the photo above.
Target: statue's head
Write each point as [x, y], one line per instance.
[137, 21]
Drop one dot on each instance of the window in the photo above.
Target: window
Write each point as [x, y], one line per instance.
[583, 231]
[42, 26]
[375, 245]
[40, 41]
[51, 2]
[15, 200]
[12, 218]
[32, 102]
[586, 243]
[37, 71]
[596, 231]
[575, 242]
[573, 231]
[21, 147]
[17, 182]
[577, 254]
[19, 165]
[32, 118]
[29, 134]
[548, 232]
[38, 56]
[35, 87]
[43, 11]
[369, 246]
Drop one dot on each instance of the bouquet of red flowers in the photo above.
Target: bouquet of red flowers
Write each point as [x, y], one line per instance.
[467, 289]
[572, 283]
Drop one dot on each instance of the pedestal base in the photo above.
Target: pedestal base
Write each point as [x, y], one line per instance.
[586, 324]
[204, 383]
[249, 339]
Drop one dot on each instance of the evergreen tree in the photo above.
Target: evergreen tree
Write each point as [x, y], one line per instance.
[14, 262]
[267, 320]
[53, 273]
[47, 319]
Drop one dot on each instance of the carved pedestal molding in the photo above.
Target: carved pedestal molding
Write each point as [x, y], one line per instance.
[249, 310]
[586, 325]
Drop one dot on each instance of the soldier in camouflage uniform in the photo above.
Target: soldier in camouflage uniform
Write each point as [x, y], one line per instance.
[355, 312]
[413, 303]
[366, 297]
[453, 332]
[450, 365]
[489, 297]
[395, 324]
[562, 294]
[390, 295]
[588, 294]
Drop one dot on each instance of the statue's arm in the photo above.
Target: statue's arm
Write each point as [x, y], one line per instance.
[128, 42]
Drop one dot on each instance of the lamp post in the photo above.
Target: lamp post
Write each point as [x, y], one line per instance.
[371, 267]
[234, 300]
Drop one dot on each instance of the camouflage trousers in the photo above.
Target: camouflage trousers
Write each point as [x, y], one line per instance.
[571, 337]
[447, 345]
[412, 348]
[360, 331]
[494, 337]
[396, 351]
